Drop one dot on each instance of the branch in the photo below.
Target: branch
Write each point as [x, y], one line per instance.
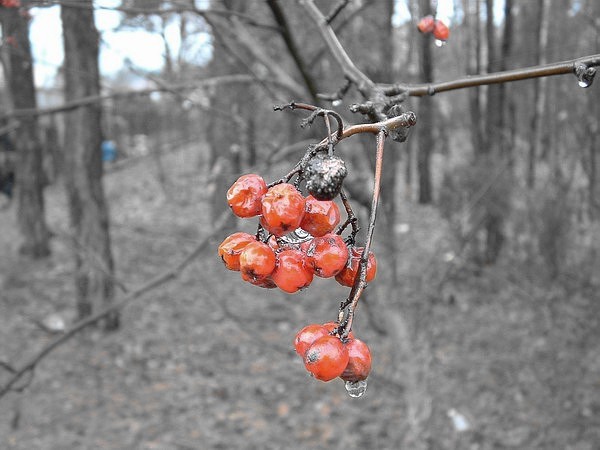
[559, 68]
[360, 283]
[362, 81]
[279, 16]
[84, 101]
[161, 279]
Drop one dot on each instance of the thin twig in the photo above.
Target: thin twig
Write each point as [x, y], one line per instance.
[159, 280]
[336, 10]
[360, 283]
[350, 220]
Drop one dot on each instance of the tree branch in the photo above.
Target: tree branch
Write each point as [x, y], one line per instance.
[362, 81]
[69, 106]
[559, 68]
[159, 280]
[293, 48]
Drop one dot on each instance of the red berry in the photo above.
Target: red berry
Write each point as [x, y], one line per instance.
[320, 217]
[282, 209]
[426, 24]
[292, 271]
[257, 261]
[326, 358]
[232, 246]
[328, 255]
[331, 326]
[245, 195]
[307, 335]
[441, 31]
[359, 361]
[266, 283]
[348, 274]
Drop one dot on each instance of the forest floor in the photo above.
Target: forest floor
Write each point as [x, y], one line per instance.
[206, 361]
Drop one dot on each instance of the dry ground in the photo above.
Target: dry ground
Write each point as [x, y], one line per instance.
[206, 361]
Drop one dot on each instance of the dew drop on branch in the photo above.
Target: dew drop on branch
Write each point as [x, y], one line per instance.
[584, 83]
[439, 43]
[356, 388]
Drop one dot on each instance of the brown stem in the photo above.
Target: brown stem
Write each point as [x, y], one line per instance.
[360, 281]
[559, 68]
[351, 218]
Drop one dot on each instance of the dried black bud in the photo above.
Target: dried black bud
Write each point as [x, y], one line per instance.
[324, 176]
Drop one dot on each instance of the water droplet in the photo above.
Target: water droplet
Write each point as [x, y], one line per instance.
[187, 104]
[584, 83]
[356, 388]
[336, 102]
[439, 43]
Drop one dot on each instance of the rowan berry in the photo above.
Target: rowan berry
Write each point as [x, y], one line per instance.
[266, 283]
[324, 176]
[359, 361]
[326, 358]
[292, 271]
[349, 273]
[257, 261]
[320, 216]
[426, 24]
[307, 335]
[245, 195]
[328, 255]
[282, 209]
[441, 31]
[232, 246]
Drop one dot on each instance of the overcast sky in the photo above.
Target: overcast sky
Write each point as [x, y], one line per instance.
[144, 49]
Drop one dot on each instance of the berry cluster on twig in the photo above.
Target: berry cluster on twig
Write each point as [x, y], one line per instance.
[300, 236]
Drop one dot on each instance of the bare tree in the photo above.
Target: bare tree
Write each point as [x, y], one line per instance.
[83, 160]
[29, 170]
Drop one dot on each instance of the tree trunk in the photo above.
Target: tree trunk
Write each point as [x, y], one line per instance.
[539, 92]
[29, 168]
[83, 161]
[494, 91]
[473, 68]
[426, 120]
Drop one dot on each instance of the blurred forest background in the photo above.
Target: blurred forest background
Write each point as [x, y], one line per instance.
[483, 319]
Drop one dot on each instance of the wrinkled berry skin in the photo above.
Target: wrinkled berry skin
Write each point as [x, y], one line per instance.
[349, 273]
[359, 361]
[320, 217]
[324, 176]
[328, 255]
[307, 335]
[326, 358]
[282, 209]
[257, 261]
[232, 246]
[245, 195]
[292, 271]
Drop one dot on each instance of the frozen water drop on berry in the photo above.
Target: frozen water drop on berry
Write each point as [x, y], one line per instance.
[356, 389]
[440, 43]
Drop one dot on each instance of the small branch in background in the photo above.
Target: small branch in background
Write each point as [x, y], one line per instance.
[338, 95]
[335, 11]
[351, 219]
[169, 275]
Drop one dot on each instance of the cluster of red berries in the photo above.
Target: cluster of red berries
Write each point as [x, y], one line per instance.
[429, 24]
[326, 356]
[279, 263]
